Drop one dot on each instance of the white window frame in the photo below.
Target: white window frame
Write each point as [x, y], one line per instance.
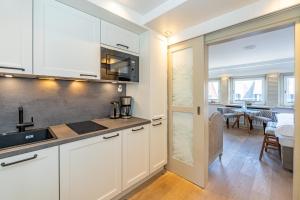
[264, 89]
[284, 89]
[219, 92]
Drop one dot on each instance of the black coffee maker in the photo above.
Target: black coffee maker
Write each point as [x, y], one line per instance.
[126, 106]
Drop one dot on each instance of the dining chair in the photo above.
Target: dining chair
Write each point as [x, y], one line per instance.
[228, 114]
[265, 116]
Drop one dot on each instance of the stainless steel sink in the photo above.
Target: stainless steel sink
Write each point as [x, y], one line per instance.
[22, 138]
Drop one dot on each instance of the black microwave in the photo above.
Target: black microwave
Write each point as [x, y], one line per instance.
[119, 66]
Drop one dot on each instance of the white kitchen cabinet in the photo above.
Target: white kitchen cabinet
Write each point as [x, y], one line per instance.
[66, 41]
[30, 176]
[90, 169]
[150, 95]
[117, 37]
[135, 155]
[158, 145]
[16, 36]
[158, 76]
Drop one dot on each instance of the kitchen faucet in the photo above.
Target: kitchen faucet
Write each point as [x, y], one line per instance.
[22, 125]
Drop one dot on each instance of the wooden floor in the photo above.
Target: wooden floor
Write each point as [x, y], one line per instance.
[239, 176]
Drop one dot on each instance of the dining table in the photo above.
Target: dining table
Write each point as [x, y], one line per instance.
[246, 112]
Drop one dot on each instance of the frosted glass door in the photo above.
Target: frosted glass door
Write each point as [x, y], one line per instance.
[184, 111]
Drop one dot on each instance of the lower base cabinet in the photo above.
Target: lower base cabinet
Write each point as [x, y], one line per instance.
[158, 145]
[91, 168]
[30, 176]
[135, 155]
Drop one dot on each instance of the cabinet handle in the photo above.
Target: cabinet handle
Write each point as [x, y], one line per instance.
[111, 136]
[157, 119]
[19, 161]
[122, 45]
[138, 129]
[158, 124]
[91, 75]
[14, 68]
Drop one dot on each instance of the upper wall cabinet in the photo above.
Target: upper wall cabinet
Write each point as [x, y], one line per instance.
[117, 37]
[16, 36]
[66, 41]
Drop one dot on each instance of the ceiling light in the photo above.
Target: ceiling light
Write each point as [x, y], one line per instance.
[250, 47]
[8, 76]
[167, 33]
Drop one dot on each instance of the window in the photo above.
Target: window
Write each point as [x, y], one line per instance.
[289, 90]
[248, 89]
[214, 91]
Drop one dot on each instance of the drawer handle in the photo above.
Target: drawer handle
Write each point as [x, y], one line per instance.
[19, 161]
[14, 68]
[90, 75]
[138, 129]
[157, 119]
[122, 45]
[158, 124]
[109, 137]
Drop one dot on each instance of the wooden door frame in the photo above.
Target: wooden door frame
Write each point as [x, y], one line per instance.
[283, 18]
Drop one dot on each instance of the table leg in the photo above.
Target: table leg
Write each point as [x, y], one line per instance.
[250, 123]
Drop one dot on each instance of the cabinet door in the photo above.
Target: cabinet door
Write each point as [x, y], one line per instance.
[66, 41]
[135, 155]
[91, 168]
[158, 76]
[158, 145]
[115, 36]
[16, 36]
[33, 176]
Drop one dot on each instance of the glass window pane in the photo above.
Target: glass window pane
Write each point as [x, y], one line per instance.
[183, 78]
[183, 137]
[213, 90]
[248, 90]
[289, 90]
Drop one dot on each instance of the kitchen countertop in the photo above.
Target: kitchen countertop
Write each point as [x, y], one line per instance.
[66, 135]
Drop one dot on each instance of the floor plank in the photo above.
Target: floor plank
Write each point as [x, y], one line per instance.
[238, 176]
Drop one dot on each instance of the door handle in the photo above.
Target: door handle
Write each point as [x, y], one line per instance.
[198, 110]
[109, 137]
[138, 129]
[19, 161]
[13, 68]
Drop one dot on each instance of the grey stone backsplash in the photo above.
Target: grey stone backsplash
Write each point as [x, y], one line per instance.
[52, 102]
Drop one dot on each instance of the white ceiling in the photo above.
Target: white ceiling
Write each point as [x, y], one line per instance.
[193, 12]
[141, 6]
[185, 18]
[271, 47]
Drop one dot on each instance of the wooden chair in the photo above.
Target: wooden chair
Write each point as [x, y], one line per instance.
[270, 140]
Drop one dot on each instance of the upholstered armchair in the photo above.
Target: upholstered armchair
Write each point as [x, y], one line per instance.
[215, 136]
